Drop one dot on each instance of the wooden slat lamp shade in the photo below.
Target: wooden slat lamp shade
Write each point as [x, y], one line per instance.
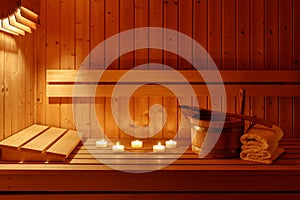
[19, 16]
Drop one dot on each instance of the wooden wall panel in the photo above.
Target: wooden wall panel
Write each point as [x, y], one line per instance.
[97, 23]
[2, 71]
[272, 41]
[17, 83]
[67, 55]
[257, 50]
[52, 58]
[296, 65]
[171, 21]
[286, 62]
[229, 44]
[238, 34]
[41, 71]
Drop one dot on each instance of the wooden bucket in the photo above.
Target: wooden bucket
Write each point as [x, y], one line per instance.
[228, 144]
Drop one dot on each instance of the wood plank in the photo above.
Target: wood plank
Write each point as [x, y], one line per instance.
[243, 34]
[141, 115]
[41, 69]
[2, 71]
[152, 101]
[14, 86]
[111, 126]
[232, 76]
[52, 59]
[215, 31]
[125, 121]
[156, 19]
[127, 62]
[154, 90]
[67, 52]
[64, 146]
[200, 30]
[82, 47]
[272, 54]
[286, 62]
[9, 60]
[42, 142]
[257, 51]
[141, 20]
[185, 15]
[229, 46]
[111, 28]
[97, 61]
[23, 136]
[167, 196]
[171, 21]
[22, 92]
[170, 129]
[170, 42]
[228, 35]
[296, 65]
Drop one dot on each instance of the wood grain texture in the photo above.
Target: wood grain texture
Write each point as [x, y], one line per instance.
[296, 66]
[286, 62]
[259, 48]
[2, 71]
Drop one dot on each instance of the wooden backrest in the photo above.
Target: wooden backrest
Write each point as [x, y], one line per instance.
[283, 83]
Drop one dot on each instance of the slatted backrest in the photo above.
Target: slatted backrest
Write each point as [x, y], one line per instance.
[17, 140]
[44, 141]
[63, 147]
[60, 83]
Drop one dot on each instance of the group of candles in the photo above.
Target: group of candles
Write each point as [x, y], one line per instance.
[137, 144]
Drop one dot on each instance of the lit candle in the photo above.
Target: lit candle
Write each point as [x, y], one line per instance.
[101, 143]
[136, 144]
[118, 148]
[158, 148]
[171, 144]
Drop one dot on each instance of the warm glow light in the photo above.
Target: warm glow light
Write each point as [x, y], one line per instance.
[29, 15]
[23, 20]
[13, 22]
[19, 22]
[5, 30]
[6, 25]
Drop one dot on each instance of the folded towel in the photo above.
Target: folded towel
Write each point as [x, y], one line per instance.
[260, 144]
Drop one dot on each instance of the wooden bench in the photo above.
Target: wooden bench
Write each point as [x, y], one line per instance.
[39, 143]
[187, 177]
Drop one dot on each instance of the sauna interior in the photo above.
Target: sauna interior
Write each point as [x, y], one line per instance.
[254, 46]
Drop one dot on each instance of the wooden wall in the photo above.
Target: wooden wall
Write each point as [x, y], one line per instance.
[17, 82]
[238, 34]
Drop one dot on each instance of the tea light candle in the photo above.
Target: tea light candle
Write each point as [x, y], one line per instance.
[118, 148]
[101, 143]
[158, 148]
[136, 144]
[171, 144]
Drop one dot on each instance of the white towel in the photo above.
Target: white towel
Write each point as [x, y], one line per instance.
[260, 144]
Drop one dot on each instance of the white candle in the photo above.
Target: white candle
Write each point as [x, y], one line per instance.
[158, 148]
[171, 144]
[136, 144]
[118, 148]
[101, 143]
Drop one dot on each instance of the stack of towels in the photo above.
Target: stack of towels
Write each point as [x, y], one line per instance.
[260, 144]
